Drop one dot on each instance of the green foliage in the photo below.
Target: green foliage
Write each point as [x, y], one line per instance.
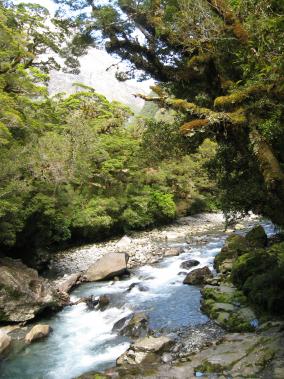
[186, 47]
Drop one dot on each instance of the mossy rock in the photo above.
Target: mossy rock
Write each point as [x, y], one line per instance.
[260, 275]
[257, 237]
[235, 246]
[209, 368]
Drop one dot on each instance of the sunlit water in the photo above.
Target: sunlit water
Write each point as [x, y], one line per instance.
[82, 340]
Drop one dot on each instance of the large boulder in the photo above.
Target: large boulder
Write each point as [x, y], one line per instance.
[5, 342]
[37, 332]
[146, 350]
[107, 267]
[23, 294]
[198, 276]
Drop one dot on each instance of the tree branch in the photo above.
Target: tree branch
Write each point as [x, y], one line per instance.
[230, 19]
[206, 117]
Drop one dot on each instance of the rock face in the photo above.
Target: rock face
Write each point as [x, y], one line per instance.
[23, 294]
[5, 342]
[109, 266]
[198, 276]
[145, 350]
[135, 325]
[189, 264]
[37, 332]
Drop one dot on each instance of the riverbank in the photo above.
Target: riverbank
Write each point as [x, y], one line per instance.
[147, 247]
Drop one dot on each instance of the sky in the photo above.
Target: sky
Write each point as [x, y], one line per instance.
[93, 73]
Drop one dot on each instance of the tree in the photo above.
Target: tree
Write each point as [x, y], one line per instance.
[219, 63]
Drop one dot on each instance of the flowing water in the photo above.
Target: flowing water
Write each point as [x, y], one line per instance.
[82, 340]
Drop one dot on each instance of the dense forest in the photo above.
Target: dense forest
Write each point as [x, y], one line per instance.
[77, 168]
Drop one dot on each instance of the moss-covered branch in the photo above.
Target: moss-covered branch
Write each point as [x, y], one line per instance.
[205, 116]
[239, 97]
[269, 165]
[230, 19]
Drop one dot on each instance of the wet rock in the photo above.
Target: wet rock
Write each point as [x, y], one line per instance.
[189, 264]
[257, 237]
[145, 350]
[5, 342]
[182, 273]
[107, 267]
[96, 302]
[120, 324]
[134, 325]
[198, 276]
[173, 251]
[91, 301]
[23, 293]
[104, 301]
[140, 286]
[37, 332]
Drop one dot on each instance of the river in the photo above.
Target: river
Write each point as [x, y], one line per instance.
[83, 340]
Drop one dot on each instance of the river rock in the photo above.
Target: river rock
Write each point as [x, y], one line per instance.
[173, 251]
[140, 286]
[198, 276]
[38, 332]
[5, 342]
[66, 283]
[135, 325]
[104, 301]
[107, 267]
[123, 244]
[189, 264]
[145, 350]
[23, 293]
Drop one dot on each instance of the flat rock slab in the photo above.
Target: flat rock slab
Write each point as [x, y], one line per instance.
[107, 267]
